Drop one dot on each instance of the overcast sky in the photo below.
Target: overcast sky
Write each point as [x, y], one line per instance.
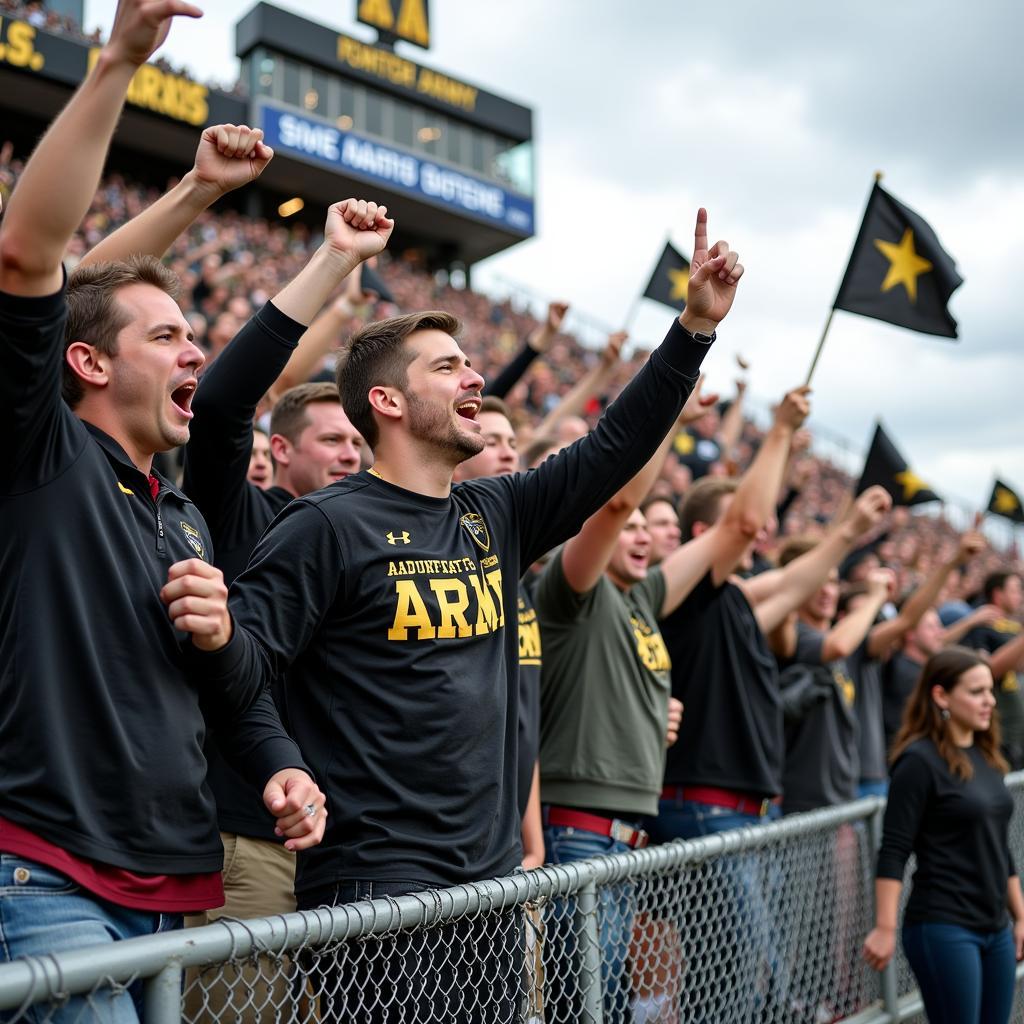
[774, 117]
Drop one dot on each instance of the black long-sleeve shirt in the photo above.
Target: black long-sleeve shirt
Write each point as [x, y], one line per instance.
[237, 512]
[509, 377]
[220, 441]
[958, 831]
[387, 610]
[104, 704]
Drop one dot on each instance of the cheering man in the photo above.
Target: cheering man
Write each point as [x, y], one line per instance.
[384, 597]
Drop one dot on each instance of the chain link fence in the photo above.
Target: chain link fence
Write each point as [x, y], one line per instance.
[760, 924]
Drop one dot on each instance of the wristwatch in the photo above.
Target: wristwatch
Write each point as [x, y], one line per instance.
[704, 339]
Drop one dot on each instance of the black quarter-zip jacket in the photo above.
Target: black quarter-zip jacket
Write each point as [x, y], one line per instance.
[103, 704]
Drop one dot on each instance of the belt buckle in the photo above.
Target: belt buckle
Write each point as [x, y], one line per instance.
[621, 832]
[765, 807]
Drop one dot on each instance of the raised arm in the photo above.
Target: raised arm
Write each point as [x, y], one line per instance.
[61, 178]
[593, 382]
[321, 337]
[754, 500]
[849, 632]
[585, 556]
[732, 422]
[886, 634]
[554, 500]
[217, 455]
[983, 616]
[801, 578]
[536, 345]
[229, 156]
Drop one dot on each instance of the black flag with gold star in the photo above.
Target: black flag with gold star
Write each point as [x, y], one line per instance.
[1005, 502]
[670, 278]
[898, 271]
[884, 465]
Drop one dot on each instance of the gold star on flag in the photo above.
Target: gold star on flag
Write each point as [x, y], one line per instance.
[684, 444]
[905, 266]
[680, 282]
[911, 483]
[1005, 501]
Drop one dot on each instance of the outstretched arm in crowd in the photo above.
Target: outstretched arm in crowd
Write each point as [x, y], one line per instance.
[536, 345]
[554, 500]
[884, 637]
[754, 500]
[731, 427]
[983, 616]
[63, 174]
[794, 584]
[217, 454]
[322, 335]
[593, 383]
[228, 157]
[585, 557]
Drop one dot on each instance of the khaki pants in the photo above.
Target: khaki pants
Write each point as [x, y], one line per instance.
[259, 881]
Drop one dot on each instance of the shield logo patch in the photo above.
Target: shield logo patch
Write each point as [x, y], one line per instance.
[477, 529]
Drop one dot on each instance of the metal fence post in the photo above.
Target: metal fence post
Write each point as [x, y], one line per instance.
[162, 996]
[589, 951]
[887, 981]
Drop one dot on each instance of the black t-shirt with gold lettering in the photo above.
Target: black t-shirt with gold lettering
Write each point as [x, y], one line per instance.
[386, 611]
[530, 658]
[822, 758]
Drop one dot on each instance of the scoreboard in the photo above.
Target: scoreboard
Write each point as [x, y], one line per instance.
[453, 161]
[445, 149]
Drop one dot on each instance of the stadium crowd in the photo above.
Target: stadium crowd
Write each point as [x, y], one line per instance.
[681, 578]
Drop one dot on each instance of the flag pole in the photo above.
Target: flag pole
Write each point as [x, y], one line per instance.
[821, 345]
[831, 312]
[631, 315]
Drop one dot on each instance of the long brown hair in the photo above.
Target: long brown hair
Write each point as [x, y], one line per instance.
[922, 718]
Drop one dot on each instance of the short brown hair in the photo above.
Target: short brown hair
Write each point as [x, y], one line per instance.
[701, 504]
[492, 403]
[94, 314]
[377, 357]
[289, 417]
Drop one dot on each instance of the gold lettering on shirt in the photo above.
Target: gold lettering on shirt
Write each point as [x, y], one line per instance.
[453, 621]
[529, 636]
[442, 607]
[410, 611]
[650, 647]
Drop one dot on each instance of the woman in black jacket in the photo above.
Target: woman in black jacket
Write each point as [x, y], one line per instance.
[949, 806]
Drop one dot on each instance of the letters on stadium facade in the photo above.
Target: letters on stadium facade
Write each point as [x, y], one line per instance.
[318, 141]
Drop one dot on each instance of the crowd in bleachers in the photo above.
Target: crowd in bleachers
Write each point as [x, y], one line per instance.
[680, 577]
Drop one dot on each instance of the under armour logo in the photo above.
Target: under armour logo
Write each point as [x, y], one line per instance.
[401, 538]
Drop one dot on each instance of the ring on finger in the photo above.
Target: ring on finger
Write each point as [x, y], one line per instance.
[310, 810]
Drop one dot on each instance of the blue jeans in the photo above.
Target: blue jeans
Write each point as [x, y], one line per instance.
[965, 977]
[873, 787]
[467, 972]
[43, 911]
[736, 892]
[565, 844]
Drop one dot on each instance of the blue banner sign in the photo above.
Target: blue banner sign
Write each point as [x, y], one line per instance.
[322, 143]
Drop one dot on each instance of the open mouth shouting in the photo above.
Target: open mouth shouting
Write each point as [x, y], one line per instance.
[181, 398]
[467, 409]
